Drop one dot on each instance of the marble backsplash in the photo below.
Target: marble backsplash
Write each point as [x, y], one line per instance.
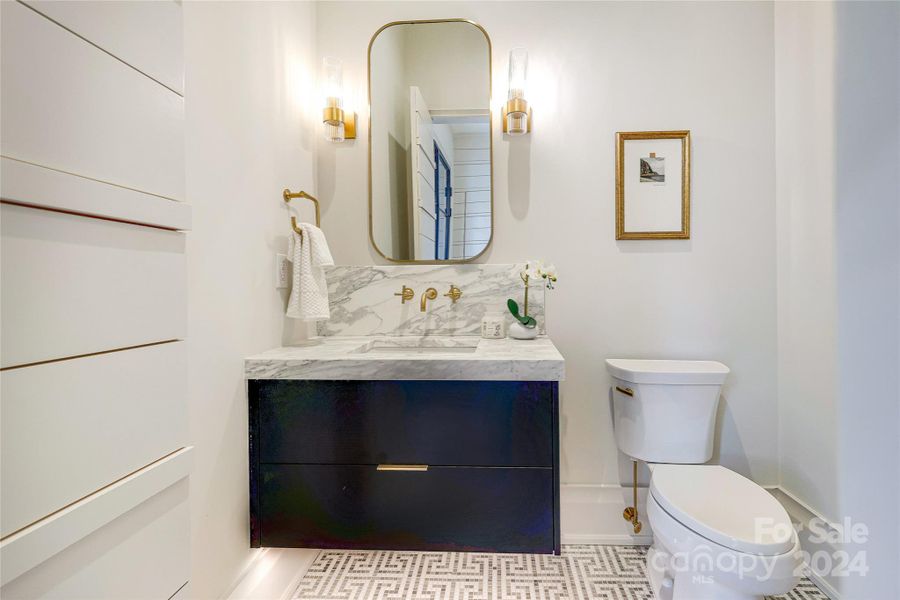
[363, 302]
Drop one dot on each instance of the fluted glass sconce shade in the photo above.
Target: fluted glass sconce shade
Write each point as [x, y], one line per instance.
[516, 112]
[333, 89]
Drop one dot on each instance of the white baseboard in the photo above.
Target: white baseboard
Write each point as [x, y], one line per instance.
[592, 514]
[272, 574]
[801, 514]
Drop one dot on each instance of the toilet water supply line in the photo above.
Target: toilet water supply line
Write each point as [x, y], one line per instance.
[631, 513]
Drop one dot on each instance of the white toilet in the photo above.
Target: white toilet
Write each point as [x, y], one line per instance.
[716, 534]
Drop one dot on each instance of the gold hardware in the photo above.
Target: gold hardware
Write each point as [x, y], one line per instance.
[429, 294]
[685, 137]
[454, 294]
[405, 294]
[333, 115]
[390, 467]
[626, 391]
[288, 195]
[490, 138]
[516, 105]
[631, 513]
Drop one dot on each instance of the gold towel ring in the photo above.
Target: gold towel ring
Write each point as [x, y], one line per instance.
[288, 195]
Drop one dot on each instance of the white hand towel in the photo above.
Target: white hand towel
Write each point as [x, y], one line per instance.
[309, 253]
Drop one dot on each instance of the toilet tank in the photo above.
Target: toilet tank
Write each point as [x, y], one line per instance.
[665, 410]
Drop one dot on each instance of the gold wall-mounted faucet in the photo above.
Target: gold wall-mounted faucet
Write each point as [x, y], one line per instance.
[405, 294]
[454, 294]
[429, 294]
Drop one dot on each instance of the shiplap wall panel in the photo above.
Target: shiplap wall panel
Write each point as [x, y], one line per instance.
[75, 285]
[478, 183]
[94, 421]
[463, 156]
[146, 35]
[478, 208]
[426, 227]
[482, 234]
[426, 194]
[39, 186]
[472, 169]
[141, 555]
[70, 106]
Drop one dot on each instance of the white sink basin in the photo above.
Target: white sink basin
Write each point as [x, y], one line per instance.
[420, 345]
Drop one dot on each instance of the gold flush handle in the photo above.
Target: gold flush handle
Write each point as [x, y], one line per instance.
[454, 294]
[405, 294]
[626, 391]
[408, 468]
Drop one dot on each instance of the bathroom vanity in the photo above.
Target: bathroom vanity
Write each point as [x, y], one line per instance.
[431, 443]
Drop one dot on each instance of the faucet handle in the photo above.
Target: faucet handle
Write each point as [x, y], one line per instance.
[405, 294]
[454, 294]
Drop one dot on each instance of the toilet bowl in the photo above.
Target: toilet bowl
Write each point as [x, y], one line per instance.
[716, 534]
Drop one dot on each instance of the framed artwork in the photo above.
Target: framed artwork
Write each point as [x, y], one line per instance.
[653, 185]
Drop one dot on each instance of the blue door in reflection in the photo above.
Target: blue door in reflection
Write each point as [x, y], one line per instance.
[443, 193]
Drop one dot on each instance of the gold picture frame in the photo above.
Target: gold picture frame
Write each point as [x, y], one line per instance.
[627, 177]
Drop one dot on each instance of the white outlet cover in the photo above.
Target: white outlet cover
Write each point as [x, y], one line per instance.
[282, 272]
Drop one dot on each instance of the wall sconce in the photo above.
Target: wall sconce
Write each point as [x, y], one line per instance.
[516, 112]
[338, 126]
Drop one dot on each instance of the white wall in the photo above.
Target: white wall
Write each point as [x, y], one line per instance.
[807, 301]
[837, 71]
[391, 226]
[448, 62]
[709, 297]
[867, 242]
[250, 69]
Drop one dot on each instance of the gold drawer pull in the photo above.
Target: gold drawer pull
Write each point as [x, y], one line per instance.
[626, 391]
[389, 467]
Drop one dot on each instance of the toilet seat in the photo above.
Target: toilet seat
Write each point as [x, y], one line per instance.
[724, 507]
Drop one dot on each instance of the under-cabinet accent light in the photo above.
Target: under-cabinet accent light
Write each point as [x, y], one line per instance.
[516, 113]
[338, 126]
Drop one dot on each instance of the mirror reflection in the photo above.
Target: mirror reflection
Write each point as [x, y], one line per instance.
[430, 141]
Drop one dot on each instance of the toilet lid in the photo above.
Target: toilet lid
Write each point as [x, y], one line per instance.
[723, 507]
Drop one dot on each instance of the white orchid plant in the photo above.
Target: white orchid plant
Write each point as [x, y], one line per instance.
[534, 270]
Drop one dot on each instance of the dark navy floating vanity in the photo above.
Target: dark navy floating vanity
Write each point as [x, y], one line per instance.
[446, 464]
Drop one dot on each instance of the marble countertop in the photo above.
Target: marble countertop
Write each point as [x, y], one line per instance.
[411, 357]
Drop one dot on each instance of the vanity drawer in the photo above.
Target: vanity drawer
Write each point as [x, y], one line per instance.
[443, 508]
[467, 423]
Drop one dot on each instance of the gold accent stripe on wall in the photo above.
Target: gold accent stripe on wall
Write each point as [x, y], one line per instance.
[146, 467]
[98, 47]
[82, 214]
[55, 360]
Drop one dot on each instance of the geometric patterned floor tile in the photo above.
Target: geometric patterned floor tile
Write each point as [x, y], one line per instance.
[583, 572]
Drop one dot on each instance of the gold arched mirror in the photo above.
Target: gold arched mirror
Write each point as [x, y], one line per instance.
[430, 148]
